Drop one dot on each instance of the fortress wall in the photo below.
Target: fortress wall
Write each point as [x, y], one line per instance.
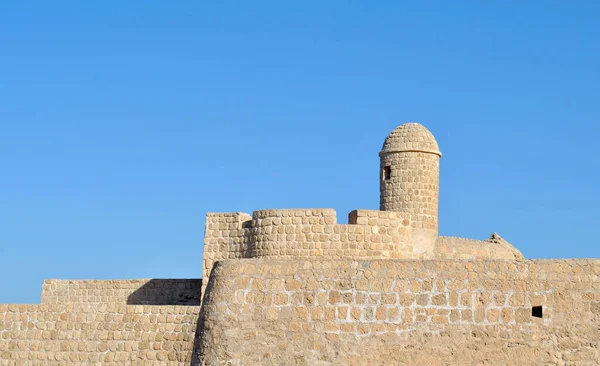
[315, 233]
[133, 292]
[114, 334]
[302, 233]
[447, 247]
[403, 311]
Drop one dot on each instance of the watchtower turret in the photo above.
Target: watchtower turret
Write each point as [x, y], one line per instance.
[410, 176]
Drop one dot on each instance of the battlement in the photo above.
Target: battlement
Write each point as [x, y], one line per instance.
[302, 213]
[315, 233]
[297, 216]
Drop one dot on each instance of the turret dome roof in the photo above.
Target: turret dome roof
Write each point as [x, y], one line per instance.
[410, 136]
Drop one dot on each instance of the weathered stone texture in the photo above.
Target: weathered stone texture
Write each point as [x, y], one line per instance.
[402, 312]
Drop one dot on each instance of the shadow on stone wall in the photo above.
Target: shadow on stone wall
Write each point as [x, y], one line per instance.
[168, 292]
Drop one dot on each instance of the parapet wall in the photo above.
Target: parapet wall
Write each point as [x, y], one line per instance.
[58, 334]
[122, 292]
[304, 233]
[416, 312]
[315, 233]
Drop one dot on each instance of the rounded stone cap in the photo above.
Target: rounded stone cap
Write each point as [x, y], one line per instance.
[410, 136]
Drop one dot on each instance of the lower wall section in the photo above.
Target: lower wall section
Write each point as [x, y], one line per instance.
[298, 312]
[132, 292]
[402, 312]
[88, 334]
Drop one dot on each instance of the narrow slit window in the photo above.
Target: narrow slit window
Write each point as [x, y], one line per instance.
[387, 172]
[537, 312]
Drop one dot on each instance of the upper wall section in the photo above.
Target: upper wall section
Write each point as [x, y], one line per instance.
[302, 216]
[121, 292]
[304, 233]
[315, 233]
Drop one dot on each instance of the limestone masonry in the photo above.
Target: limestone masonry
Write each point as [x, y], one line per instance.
[295, 287]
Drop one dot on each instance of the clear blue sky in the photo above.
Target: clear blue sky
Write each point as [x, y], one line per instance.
[124, 122]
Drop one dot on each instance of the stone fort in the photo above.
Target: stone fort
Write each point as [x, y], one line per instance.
[295, 287]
